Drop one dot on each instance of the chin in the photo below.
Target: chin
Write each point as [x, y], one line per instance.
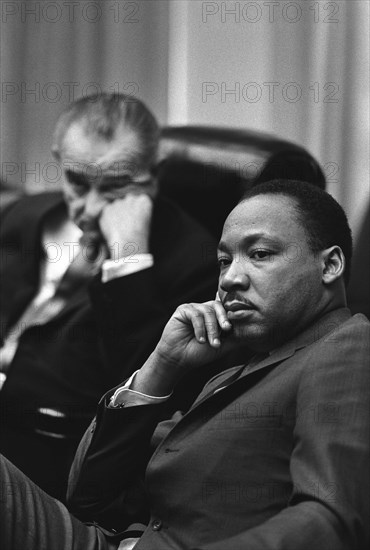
[242, 331]
[251, 334]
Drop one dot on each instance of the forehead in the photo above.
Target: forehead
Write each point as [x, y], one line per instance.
[273, 216]
[85, 147]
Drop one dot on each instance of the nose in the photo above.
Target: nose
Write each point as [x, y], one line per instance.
[94, 204]
[235, 277]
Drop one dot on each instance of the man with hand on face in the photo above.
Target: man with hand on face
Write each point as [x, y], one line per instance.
[274, 452]
[139, 254]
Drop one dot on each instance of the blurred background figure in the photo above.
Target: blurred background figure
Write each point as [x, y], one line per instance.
[139, 253]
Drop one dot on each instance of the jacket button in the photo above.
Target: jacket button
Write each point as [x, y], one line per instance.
[156, 525]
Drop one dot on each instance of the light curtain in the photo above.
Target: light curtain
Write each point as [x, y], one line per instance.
[168, 51]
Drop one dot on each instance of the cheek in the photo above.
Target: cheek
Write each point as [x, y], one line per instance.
[279, 292]
[291, 293]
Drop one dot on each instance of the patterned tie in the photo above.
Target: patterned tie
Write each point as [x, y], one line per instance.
[84, 266]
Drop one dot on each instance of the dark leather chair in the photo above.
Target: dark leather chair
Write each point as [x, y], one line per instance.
[206, 169]
[359, 288]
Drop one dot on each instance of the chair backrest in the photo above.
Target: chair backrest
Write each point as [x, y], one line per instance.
[358, 294]
[207, 169]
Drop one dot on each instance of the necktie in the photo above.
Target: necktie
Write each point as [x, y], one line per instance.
[51, 301]
[217, 385]
[80, 271]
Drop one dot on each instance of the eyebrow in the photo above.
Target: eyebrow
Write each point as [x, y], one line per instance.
[249, 240]
[77, 177]
[110, 172]
[106, 181]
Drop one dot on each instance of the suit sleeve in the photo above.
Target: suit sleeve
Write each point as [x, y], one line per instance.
[329, 504]
[106, 482]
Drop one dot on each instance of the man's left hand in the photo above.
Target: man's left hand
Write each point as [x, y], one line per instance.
[125, 225]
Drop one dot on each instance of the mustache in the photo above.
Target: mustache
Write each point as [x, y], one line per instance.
[236, 297]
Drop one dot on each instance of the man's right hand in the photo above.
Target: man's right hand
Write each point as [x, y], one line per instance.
[191, 338]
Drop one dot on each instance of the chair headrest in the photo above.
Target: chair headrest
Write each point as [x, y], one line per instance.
[207, 169]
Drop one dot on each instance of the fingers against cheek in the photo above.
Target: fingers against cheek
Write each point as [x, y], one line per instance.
[208, 322]
[197, 320]
[212, 327]
[222, 316]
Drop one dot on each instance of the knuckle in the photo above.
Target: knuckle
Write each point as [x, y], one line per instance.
[209, 309]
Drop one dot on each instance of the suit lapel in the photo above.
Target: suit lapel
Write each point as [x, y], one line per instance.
[228, 382]
[30, 212]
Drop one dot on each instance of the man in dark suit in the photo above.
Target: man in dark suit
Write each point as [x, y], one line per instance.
[274, 452]
[140, 256]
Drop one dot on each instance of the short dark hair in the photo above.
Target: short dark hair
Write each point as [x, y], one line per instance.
[102, 113]
[323, 219]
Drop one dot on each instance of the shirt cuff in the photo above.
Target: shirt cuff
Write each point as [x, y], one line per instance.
[112, 269]
[125, 397]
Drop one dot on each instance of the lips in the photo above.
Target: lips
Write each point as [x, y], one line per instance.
[238, 310]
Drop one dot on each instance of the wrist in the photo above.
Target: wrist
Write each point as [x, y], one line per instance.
[119, 248]
[157, 377]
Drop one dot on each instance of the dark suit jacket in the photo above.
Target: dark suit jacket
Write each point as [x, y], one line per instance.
[276, 460]
[68, 363]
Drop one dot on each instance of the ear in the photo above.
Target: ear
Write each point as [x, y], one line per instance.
[333, 263]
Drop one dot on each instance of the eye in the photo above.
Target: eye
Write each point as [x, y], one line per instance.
[77, 181]
[112, 187]
[260, 254]
[118, 184]
[113, 183]
[223, 261]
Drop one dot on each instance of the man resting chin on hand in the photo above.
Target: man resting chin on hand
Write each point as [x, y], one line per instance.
[262, 458]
